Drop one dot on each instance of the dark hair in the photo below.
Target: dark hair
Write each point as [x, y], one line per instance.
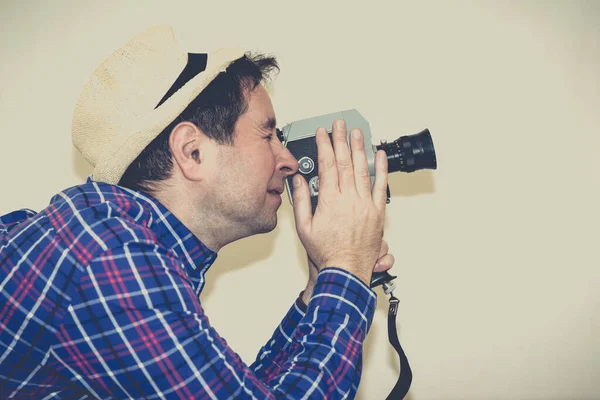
[215, 111]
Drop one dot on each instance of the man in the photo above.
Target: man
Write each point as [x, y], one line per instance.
[100, 289]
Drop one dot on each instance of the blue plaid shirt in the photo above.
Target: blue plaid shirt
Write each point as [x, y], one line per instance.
[99, 298]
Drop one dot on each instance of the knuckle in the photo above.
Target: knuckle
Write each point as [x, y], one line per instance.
[362, 173]
[344, 163]
[326, 163]
[329, 163]
[339, 133]
[359, 154]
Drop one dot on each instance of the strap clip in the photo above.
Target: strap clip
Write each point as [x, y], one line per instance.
[393, 305]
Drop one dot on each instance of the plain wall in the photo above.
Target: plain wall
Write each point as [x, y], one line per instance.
[497, 260]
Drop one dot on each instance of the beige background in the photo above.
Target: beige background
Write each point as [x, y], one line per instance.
[496, 258]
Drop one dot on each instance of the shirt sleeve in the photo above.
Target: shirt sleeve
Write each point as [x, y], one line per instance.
[135, 329]
[265, 364]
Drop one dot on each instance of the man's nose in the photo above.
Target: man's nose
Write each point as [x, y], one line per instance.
[287, 162]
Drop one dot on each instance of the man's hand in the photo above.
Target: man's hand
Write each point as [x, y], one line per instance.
[384, 263]
[346, 230]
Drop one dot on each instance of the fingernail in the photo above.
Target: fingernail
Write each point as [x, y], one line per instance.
[297, 180]
[340, 124]
[356, 133]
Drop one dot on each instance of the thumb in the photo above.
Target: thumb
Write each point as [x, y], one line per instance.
[302, 206]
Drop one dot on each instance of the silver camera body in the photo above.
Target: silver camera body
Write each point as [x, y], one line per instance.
[300, 139]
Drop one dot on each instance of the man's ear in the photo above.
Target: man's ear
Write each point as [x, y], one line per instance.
[188, 146]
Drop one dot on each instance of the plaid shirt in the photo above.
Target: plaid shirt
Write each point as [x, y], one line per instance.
[99, 299]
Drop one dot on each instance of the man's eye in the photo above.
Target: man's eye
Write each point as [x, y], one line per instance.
[269, 137]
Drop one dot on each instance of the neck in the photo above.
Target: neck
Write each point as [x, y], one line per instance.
[203, 220]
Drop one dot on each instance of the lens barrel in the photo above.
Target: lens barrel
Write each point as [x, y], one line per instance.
[410, 153]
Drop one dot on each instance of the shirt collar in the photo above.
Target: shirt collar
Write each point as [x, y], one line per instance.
[170, 231]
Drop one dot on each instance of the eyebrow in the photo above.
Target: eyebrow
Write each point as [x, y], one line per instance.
[270, 124]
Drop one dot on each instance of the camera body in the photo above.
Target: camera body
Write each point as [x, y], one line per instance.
[300, 139]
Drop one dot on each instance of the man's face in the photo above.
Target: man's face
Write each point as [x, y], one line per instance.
[250, 174]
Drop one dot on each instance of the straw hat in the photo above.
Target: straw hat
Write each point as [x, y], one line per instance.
[121, 109]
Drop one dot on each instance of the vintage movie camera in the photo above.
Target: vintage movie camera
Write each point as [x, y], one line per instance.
[406, 154]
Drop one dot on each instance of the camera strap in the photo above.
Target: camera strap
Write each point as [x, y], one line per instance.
[405, 378]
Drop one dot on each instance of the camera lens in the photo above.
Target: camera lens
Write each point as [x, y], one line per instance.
[410, 153]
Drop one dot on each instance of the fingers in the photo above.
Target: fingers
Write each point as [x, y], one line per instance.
[328, 174]
[341, 171]
[302, 205]
[381, 180]
[342, 156]
[362, 177]
[384, 263]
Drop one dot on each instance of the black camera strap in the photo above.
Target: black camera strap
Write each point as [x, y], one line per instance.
[405, 378]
